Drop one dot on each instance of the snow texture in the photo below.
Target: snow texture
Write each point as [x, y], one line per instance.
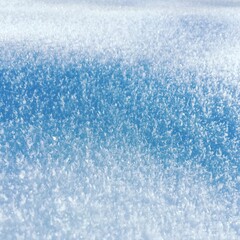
[119, 119]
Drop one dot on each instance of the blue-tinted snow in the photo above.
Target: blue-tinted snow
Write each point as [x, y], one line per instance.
[119, 121]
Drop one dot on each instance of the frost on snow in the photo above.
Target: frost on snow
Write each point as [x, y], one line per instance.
[119, 120]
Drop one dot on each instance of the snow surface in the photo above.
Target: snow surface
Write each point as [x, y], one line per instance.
[119, 119]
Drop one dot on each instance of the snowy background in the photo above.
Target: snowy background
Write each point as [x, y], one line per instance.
[119, 119]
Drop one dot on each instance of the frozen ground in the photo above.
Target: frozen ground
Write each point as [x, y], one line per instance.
[119, 119]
